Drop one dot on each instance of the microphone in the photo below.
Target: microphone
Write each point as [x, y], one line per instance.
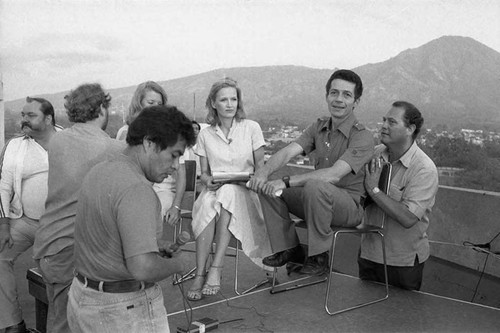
[181, 239]
[230, 140]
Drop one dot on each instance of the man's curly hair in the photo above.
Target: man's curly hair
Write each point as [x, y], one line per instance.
[84, 103]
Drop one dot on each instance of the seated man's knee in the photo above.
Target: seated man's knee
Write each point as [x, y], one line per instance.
[317, 186]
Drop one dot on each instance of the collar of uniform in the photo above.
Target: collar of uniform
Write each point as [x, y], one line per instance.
[344, 127]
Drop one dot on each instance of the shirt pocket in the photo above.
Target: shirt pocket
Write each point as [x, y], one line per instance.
[396, 192]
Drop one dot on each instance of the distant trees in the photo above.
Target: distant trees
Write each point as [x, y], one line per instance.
[481, 164]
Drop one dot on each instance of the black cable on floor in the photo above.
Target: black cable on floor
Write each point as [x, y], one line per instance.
[480, 278]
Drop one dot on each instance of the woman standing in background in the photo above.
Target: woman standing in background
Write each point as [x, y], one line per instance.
[171, 190]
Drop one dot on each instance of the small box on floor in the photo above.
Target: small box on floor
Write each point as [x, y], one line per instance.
[200, 326]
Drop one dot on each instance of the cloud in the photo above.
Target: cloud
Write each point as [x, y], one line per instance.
[61, 51]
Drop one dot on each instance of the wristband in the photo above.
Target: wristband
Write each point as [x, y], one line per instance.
[177, 207]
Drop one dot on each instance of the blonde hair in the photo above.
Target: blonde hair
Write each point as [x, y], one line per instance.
[135, 105]
[212, 116]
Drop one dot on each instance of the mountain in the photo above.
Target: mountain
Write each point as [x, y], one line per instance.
[452, 80]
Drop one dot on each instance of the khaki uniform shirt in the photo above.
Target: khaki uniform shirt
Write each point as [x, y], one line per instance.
[350, 142]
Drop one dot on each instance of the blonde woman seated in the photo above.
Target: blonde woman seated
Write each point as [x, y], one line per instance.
[171, 190]
[231, 144]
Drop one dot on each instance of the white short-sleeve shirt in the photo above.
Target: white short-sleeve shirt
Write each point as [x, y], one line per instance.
[234, 153]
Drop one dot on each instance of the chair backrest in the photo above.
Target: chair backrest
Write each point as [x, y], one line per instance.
[189, 196]
[384, 184]
[384, 181]
[190, 166]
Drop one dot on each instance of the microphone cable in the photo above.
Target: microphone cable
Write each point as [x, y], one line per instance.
[484, 248]
[186, 305]
[260, 328]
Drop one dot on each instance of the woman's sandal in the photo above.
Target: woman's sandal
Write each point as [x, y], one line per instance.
[212, 289]
[195, 294]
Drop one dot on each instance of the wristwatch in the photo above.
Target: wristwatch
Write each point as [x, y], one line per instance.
[286, 180]
[375, 190]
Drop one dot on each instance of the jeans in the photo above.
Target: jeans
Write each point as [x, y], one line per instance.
[90, 310]
[22, 231]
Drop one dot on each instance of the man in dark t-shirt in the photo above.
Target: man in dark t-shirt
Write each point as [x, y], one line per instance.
[117, 228]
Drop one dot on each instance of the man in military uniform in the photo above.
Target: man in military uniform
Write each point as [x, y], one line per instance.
[332, 194]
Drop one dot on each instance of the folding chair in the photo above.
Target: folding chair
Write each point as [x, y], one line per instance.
[190, 166]
[365, 228]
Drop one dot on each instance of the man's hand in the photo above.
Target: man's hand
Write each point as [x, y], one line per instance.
[5, 237]
[257, 182]
[172, 216]
[373, 170]
[273, 186]
[165, 248]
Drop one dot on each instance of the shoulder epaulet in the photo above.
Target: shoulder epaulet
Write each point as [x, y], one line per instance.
[359, 126]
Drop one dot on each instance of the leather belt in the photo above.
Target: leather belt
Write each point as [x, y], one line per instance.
[114, 287]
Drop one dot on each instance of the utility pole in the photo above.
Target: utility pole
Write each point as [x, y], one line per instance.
[194, 105]
[2, 115]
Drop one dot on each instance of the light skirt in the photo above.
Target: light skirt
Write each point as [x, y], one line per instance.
[246, 224]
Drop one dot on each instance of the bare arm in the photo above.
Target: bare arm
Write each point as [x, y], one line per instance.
[206, 177]
[173, 214]
[332, 175]
[152, 267]
[276, 161]
[258, 158]
[6, 240]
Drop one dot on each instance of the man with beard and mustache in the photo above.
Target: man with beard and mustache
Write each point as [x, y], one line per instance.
[73, 152]
[23, 189]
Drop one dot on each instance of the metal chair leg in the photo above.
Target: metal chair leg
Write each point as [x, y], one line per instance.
[183, 278]
[289, 286]
[257, 285]
[327, 296]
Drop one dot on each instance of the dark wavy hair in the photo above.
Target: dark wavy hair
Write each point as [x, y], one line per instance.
[411, 116]
[212, 116]
[349, 76]
[84, 103]
[162, 124]
[46, 107]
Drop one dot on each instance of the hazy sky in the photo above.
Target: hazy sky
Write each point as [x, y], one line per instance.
[51, 46]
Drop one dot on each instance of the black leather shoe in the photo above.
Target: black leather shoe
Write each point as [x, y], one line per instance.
[316, 265]
[19, 328]
[279, 259]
